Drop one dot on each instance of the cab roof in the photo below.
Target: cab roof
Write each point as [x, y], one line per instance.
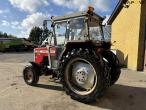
[75, 15]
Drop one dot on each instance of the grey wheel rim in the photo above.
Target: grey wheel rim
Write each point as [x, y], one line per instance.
[81, 76]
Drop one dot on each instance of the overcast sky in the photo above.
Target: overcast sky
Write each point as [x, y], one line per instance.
[17, 17]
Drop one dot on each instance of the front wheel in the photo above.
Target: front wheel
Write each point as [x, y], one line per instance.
[30, 76]
[82, 76]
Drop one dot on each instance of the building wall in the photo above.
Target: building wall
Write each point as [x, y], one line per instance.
[125, 31]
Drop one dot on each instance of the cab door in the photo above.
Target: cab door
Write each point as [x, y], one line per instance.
[57, 43]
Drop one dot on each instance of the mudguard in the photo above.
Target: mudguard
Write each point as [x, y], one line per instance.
[37, 67]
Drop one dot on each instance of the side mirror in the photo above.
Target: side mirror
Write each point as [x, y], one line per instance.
[45, 24]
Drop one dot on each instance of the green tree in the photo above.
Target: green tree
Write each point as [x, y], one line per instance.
[36, 35]
[5, 35]
[11, 36]
[1, 34]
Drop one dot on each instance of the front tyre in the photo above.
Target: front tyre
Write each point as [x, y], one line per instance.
[30, 76]
[82, 76]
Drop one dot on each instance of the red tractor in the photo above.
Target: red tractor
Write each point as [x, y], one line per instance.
[77, 54]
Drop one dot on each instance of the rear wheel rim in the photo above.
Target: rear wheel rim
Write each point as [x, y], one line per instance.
[81, 76]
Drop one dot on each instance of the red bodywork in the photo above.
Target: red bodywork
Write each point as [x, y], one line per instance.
[40, 53]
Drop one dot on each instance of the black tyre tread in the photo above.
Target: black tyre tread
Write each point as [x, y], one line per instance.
[35, 76]
[115, 66]
[96, 62]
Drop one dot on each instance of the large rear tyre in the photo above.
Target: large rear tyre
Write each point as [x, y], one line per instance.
[30, 76]
[114, 64]
[82, 76]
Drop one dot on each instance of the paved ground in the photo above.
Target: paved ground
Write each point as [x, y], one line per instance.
[16, 57]
[128, 94]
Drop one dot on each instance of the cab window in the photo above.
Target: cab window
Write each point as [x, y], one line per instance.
[60, 31]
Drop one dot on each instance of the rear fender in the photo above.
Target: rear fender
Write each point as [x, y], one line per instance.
[77, 45]
[35, 64]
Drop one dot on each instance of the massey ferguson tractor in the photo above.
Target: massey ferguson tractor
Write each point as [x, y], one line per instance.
[77, 54]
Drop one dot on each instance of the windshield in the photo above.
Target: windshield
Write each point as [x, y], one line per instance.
[72, 29]
[95, 30]
[77, 29]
